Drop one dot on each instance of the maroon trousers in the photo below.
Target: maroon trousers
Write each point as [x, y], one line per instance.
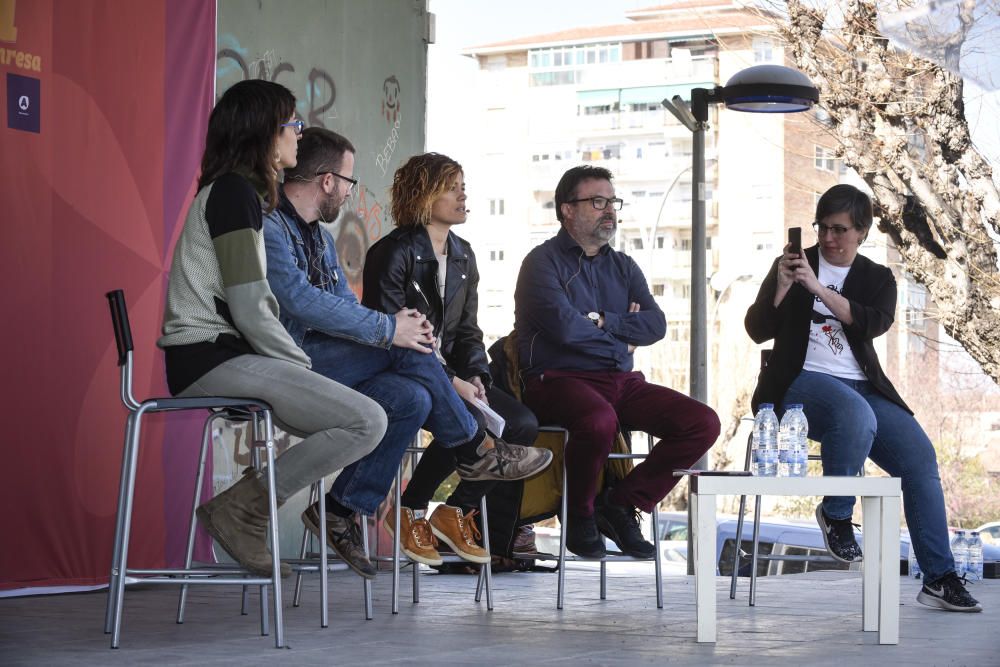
[593, 405]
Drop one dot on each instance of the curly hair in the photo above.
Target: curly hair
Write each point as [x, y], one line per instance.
[243, 132]
[417, 184]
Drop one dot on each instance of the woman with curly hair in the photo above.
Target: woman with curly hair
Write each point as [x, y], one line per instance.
[423, 264]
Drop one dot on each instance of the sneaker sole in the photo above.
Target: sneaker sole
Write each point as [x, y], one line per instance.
[488, 476]
[933, 601]
[465, 555]
[205, 519]
[314, 529]
[826, 541]
[431, 562]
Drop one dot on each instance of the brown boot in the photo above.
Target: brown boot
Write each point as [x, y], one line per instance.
[459, 532]
[415, 537]
[237, 520]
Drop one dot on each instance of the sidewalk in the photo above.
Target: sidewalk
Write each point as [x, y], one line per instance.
[809, 619]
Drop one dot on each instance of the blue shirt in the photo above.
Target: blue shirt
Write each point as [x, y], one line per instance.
[556, 289]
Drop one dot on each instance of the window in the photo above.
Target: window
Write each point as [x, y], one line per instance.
[763, 50]
[659, 242]
[684, 244]
[825, 159]
[658, 289]
[496, 255]
[763, 241]
[496, 207]
[637, 243]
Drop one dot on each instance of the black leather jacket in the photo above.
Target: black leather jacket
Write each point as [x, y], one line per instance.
[401, 272]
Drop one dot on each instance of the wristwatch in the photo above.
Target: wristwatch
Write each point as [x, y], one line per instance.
[594, 317]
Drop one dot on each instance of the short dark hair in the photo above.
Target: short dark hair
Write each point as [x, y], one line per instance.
[243, 132]
[320, 151]
[566, 189]
[847, 199]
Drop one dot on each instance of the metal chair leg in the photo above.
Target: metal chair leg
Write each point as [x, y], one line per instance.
[756, 546]
[116, 562]
[279, 630]
[206, 438]
[656, 559]
[367, 583]
[737, 548]
[562, 540]
[307, 538]
[324, 557]
[396, 520]
[486, 569]
[132, 447]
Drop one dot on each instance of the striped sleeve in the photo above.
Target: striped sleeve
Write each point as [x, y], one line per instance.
[234, 218]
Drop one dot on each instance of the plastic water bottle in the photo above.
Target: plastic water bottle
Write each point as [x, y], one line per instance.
[974, 569]
[960, 552]
[765, 442]
[793, 444]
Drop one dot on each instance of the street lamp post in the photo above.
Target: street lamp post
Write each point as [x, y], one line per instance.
[760, 89]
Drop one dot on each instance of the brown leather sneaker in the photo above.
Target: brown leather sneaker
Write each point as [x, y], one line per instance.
[459, 532]
[415, 537]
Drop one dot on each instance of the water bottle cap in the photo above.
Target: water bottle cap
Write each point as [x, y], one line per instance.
[974, 533]
[767, 406]
[794, 406]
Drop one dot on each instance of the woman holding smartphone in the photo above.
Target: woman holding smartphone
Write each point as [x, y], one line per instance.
[823, 307]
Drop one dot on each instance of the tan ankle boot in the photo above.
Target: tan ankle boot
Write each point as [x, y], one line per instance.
[459, 532]
[237, 520]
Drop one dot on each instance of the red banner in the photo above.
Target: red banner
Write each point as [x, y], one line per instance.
[105, 105]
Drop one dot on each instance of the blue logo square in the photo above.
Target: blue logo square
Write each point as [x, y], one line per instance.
[24, 103]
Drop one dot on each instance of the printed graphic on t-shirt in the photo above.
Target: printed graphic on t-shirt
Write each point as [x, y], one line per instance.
[829, 350]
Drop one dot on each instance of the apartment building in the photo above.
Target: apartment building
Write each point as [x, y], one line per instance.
[544, 103]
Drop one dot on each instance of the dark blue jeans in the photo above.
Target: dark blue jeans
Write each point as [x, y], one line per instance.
[414, 391]
[852, 421]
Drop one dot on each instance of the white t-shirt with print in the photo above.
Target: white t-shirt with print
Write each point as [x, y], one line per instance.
[828, 351]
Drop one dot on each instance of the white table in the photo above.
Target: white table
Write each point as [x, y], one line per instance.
[880, 507]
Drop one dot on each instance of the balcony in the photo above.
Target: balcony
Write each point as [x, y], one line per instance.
[634, 73]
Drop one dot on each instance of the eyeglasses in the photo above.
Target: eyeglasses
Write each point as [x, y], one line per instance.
[837, 230]
[297, 124]
[601, 203]
[353, 181]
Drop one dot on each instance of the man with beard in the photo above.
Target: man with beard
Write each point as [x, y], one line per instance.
[581, 308]
[385, 357]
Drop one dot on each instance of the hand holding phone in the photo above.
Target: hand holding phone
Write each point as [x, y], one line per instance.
[795, 240]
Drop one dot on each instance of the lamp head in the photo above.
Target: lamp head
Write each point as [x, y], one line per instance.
[770, 89]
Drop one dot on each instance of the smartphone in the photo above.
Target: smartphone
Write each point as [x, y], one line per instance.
[795, 240]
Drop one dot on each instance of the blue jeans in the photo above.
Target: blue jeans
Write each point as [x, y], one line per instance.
[414, 391]
[852, 421]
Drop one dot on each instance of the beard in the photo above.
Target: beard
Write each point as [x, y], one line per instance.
[329, 209]
[605, 234]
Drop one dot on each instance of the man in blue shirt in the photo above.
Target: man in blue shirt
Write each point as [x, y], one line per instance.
[385, 357]
[581, 309]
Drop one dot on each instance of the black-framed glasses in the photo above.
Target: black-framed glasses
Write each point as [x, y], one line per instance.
[353, 181]
[601, 203]
[823, 230]
[297, 124]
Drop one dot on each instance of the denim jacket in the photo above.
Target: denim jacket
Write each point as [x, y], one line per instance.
[333, 309]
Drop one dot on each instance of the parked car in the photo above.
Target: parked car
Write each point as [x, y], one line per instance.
[990, 532]
[778, 537]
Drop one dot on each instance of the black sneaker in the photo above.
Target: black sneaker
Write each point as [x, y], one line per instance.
[583, 539]
[838, 534]
[621, 524]
[344, 535]
[949, 594]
